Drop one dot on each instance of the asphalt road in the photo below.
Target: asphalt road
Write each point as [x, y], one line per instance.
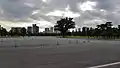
[44, 52]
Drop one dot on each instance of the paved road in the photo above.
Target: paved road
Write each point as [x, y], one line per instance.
[74, 55]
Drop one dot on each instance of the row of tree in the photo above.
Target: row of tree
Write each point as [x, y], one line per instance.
[101, 31]
[64, 24]
[4, 32]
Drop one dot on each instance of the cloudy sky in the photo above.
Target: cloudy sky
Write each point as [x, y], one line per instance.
[45, 13]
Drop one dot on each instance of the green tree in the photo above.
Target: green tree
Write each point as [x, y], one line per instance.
[109, 29]
[64, 24]
[114, 32]
[109, 24]
[102, 27]
[23, 31]
[3, 32]
[118, 34]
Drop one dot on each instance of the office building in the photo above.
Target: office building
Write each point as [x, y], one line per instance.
[51, 29]
[35, 29]
[84, 29]
[29, 29]
[47, 30]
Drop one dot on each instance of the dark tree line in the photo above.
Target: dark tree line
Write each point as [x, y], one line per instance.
[101, 31]
[16, 32]
[3, 32]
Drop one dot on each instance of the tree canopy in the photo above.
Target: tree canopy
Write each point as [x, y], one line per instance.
[64, 24]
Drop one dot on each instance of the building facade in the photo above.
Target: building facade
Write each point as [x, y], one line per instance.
[84, 29]
[51, 29]
[47, 30]
[29, 29]
[35, 29]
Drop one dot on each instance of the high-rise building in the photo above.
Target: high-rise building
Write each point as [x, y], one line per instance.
[84, 29]
[29, 29]
[51, 29]
[87, 29]
[35, 29]
[47, 30]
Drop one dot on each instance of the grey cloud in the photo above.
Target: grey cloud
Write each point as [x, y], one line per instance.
[106, 4]
[16, 10]
[61, 4]
[109, 6]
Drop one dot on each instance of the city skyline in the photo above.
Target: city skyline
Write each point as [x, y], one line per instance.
[49, 28]
[45, 13]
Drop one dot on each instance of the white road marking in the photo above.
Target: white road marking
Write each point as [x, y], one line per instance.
[105, 65]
